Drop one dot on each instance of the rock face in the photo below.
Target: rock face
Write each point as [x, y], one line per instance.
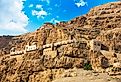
[43, 55]
[4, 44]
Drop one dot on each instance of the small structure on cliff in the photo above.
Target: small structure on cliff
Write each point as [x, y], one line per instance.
[28, 48]
[31, 47]
[13, 51]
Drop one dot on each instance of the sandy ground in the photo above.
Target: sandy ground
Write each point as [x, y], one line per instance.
[89, 76]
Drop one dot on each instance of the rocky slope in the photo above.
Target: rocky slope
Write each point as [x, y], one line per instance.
[4, 44]
[44, 55]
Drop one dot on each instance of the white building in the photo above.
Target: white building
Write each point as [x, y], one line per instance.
[31, 47]
[95, 45]
[47, 46]
[15, 52]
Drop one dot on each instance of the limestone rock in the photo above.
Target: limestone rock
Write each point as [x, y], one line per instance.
[63, 46]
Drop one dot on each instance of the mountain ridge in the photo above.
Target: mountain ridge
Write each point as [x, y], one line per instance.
[46, 54]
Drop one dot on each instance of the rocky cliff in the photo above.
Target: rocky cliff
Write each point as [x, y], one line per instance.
[41, 56]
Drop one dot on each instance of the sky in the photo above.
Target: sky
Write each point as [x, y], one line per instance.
[22, 16]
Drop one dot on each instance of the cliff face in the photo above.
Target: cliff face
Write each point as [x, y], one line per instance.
[5, 45]
[45, 54]
[4, 41]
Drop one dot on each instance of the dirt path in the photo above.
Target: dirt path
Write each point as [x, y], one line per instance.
[88, 76]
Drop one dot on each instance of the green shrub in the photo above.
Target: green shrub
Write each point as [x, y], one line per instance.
[87, 66]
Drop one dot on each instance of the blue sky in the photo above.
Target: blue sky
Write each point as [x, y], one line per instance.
[21, 16]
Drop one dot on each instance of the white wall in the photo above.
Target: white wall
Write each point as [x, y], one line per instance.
[30, 48]
[16, 52]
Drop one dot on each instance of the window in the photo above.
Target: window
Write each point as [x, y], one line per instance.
[98, 44]
[94, 43]
[26, 47]
[83, 45]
